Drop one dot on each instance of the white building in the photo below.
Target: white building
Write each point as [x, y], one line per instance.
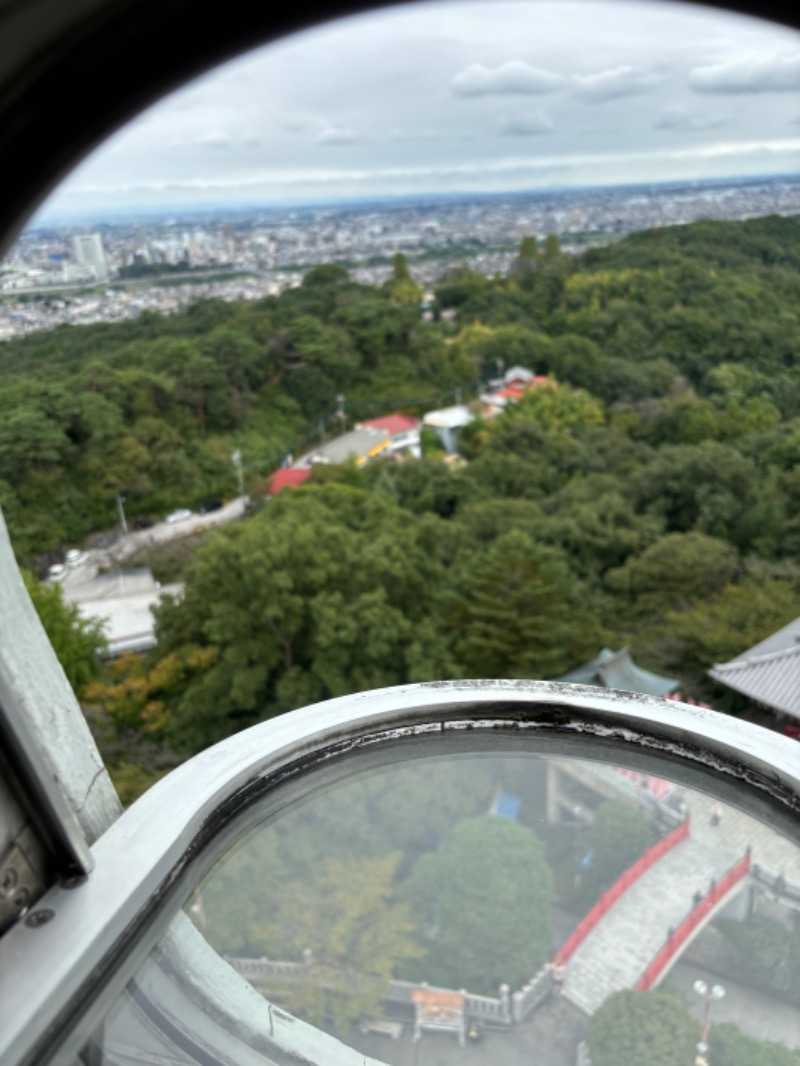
[403, 430]
[447, 423]
[89, 252]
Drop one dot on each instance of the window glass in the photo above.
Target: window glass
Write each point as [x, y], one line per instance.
[483, 909]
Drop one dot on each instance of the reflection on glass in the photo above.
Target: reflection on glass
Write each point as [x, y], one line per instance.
[484, 909]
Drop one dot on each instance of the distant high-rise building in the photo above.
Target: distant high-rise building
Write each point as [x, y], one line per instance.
[89, 252]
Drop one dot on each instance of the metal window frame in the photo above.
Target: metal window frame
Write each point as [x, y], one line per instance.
[71, 965]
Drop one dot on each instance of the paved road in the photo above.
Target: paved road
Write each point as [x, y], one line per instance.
[127, 545]
[124, 600]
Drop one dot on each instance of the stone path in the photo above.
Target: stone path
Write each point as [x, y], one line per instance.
[614, 954]
[737, 830]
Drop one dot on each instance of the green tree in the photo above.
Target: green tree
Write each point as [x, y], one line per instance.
[76, 641]
[526, 261]
[241, 897]
[552, 248]
[557, 409]
[617, 837]
[516, 610]
[328, 591]
[769, 954]
[483, 898]
[400, 270]
[632, 1028]
[528, 248]
[728, 1046]
[403, 808]
[706, 487]
[29, 437]
[132, 780]
[355, 935]
[675, 572]
[401, 287]
[740, 617]
[592, 522]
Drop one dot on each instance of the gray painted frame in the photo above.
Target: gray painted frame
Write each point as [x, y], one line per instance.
[74, 963]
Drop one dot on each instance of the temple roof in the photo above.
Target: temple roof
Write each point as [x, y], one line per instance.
[616, 669]
[769, 672]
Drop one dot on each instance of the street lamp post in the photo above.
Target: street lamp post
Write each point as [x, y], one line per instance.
[121, 512]
[710, 993]
[236, 459]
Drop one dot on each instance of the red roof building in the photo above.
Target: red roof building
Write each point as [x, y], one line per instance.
[402, 430]
[493, 403]
[392, 424]
[516, 390]
[289, 478]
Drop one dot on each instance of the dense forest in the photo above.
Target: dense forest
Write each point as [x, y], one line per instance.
[650, 495]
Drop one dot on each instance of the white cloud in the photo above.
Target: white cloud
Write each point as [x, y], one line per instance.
[676, 118]
[212, 139]
[349, 108]
[512, 78]
[530, 124]
[749, 74]
[612, 84]
[471, 169]
[336, 135]
[425, 133]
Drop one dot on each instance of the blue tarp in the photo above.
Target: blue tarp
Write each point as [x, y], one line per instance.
[506, 806]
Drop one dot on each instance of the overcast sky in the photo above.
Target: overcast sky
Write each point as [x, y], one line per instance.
[473, 96]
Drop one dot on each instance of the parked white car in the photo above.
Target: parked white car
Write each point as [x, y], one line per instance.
[179, 516]
[75, 557]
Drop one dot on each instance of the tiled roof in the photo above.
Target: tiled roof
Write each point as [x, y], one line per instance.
[392, 424]
[784, 640]
[772, 678]
[616, 669]
[288, 478]
[517, 373]
[449, 417]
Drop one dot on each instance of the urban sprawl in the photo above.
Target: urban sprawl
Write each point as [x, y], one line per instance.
[105, 273]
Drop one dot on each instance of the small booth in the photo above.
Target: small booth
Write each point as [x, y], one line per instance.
[439, 1010]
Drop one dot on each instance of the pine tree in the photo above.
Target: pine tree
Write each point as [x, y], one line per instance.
[518, 612]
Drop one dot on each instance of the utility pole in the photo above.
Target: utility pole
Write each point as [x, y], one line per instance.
[236, 459]
[121, 510]
[340, 412]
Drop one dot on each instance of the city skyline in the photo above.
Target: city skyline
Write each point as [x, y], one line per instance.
[462, 98]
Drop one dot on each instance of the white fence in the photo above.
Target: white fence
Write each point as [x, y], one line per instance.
[532, 995]
[262, 969]
[784, 889]
[503, 1009]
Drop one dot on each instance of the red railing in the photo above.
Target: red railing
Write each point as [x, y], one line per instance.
[675, 942]
[610, 897]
